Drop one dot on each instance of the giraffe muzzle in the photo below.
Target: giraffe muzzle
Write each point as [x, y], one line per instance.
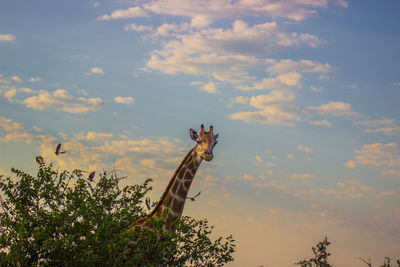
[208, 156]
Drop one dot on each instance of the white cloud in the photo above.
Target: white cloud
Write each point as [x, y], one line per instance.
[93, 136]
[271, 164]
[137, 28]
[3, 80]
[342, 3]
[367, 188]
[96, 70]
[139, 159]
[62, 100]
[26, 90]
[124, 99]
[271, 114]
[390, 172]
[272, 184]
[37, 129]
[273, 108]
[336, 109]
[224, 54]
[149, 163]
[248, 177]
[15, 132]
[8, 125]
[303, 65]
[349, 189]
[242, 100]
[377, 154]
[224, 68]
[7, 38]
[321, 123]
[311, 40]
[171, 29]
[325, 77]
[143, 146]
[386, 193]
[9, 94]
[388, 126]
[301, 176]
[16, 79]
[131, 154]
[317, 89]
[230, 68]
[209, 88]
[373, 123]
[395, 130]
[292, 79]
[396, 84]
[203, 13]
[82, 92]
[350, 164]
[230, 54]
[196, 83]
[304, 148]
[261, 101]
[34, 79]
[25, 137]
[12, 92]
[132, 12]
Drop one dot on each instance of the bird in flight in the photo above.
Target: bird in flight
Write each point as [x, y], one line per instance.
[193, 198]
[58, 148]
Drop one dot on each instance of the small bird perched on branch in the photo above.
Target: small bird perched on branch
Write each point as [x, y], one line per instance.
[58, 148]
[148, 203]
[193, 198]
[91, 176]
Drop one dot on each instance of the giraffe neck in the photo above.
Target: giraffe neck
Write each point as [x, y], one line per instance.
[172, 201]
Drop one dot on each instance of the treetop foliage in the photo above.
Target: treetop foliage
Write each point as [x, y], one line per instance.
[320, 258]
[63, 218]
[321, 255]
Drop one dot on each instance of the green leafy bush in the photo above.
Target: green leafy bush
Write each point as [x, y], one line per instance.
[63, 219]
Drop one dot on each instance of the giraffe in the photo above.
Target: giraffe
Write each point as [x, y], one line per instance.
[171, 204]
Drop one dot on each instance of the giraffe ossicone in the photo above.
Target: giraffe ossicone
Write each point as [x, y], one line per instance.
[171, 204]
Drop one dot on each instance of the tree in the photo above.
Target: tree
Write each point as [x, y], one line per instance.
[63, 218]
[386, 262]
[320, 256]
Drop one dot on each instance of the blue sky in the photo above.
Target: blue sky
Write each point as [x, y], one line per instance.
[304, 95]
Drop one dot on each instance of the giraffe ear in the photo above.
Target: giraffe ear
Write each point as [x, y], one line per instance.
[194, 135]
[216, 136]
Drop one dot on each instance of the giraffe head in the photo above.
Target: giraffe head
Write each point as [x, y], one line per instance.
[205, 142]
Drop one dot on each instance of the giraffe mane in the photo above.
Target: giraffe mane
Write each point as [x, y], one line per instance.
[164, 195]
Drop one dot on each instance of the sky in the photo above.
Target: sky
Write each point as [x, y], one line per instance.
[304, 95]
